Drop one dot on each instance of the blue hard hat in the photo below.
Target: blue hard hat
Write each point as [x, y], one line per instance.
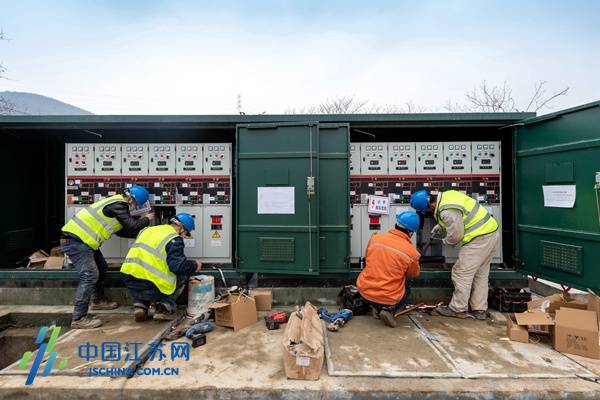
[409, 219]
[139, 194]
[420, 200]
[187, 220]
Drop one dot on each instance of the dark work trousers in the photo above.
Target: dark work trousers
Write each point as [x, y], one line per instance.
[145, 292]
[92, 267]
[394, 307]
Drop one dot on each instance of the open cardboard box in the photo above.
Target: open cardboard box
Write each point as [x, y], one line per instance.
[234, 311]
[573, 324]
[518, 325]
[41, 260]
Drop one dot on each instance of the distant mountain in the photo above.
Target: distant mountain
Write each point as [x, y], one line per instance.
[22, 103]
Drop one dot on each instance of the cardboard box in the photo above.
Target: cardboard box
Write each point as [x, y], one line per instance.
[303, 345]
[235, 311]
[576, 332]
[552, 303]
[263, 299]
[519, 324]
[516, 332]
[41, 260]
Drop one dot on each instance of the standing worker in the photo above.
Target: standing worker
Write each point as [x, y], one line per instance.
[463, 221]
[390, 258]
[81, 238]
[156, 268]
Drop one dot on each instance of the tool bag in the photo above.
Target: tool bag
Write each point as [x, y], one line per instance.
[350, 298]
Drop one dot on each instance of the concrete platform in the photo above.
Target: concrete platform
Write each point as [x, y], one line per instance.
[248, 364]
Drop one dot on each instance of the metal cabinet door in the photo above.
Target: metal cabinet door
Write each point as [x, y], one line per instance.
[559, 153]
[277, 207]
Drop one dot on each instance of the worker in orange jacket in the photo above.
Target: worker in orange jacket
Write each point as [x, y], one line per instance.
[391, 257]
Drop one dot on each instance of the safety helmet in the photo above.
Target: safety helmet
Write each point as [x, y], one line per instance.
[409, 220]
[139, 194]
[420, 200]
[186, 220]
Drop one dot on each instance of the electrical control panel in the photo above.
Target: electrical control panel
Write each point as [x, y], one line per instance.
[217, 159]
[486, 157]
[107, 159]
[161, 159]
[354, 158]
[176, 180]
[189, 159]
[430, 158]
[457, 158]
[373, 158]
[467, 167]
[135, 159]
[402, 159]
[80, 159]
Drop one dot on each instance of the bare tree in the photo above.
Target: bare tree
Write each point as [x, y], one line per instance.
[352, 105]
[6, 107]
[487, 98]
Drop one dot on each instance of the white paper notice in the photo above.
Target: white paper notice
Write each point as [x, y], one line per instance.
[276, 200]
[561, 196]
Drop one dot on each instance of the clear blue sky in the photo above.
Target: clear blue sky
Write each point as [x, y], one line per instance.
[195, 57]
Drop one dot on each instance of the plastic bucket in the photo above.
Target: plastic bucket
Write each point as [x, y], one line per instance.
[201, 292]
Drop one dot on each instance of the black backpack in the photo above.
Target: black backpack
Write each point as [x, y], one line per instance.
[350, 298]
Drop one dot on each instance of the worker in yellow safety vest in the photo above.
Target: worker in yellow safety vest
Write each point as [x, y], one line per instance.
[156, 269]
[461, 220]
[81, 239]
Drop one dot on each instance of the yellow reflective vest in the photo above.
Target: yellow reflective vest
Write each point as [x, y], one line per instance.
[476, 219]
[147, 258]
[91, 226]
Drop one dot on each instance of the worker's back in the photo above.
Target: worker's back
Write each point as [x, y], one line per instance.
[390, 258]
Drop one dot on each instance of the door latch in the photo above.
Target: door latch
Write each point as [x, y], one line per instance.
[310, 186]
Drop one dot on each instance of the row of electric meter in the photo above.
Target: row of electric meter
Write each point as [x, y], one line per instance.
[211, 241]
[153, 159]
[425, 158]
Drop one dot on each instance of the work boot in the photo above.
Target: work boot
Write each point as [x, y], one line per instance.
[140, 312]
[480, 314]
[161, 314]
[103, 305]
[375, 313]
[86, 322]
[448, 312]
[387, 318]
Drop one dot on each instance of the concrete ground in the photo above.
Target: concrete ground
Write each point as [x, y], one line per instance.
[248, 364]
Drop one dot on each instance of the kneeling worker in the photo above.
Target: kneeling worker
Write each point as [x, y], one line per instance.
[81, 239]
[156, 269]
[464, 222]
[390, 258]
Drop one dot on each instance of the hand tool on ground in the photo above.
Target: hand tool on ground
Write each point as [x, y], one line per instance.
[337, 320]
[408, 309]
[428, 308]
[197, 333]
[275, 320]
[281, 317]
[271, 324]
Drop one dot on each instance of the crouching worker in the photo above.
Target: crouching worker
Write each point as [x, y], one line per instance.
[390, 259]
[156, 269]
[81, 238]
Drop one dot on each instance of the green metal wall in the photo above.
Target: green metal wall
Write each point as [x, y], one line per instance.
[559, 244]
[314, 238]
